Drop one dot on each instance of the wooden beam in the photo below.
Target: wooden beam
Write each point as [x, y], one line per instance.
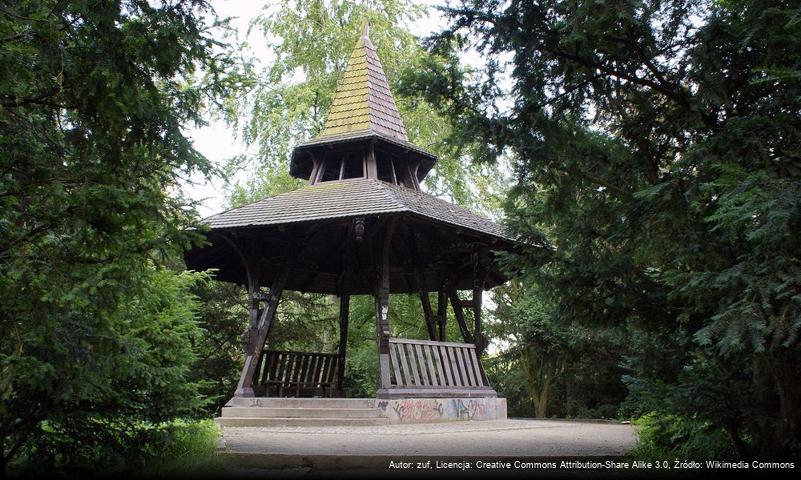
[428, 314]
[315, 166]
[251, 268]
[409, 250]
[392, 167]
[459, 314]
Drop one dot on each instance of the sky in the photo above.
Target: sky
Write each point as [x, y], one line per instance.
[217, 141]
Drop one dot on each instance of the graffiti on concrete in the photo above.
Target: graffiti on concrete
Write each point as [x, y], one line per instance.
[429, 409]
[418, 409]
[467, 409]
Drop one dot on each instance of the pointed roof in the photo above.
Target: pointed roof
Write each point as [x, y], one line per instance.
[363, 101]
[363, 111]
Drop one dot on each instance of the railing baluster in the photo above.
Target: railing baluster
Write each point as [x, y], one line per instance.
[393, 358]
[476, 367]
[421, 365]
[443, 361]
[407, 374]
[428, 350]
[468, 367]
[412, 363]
[458, 379]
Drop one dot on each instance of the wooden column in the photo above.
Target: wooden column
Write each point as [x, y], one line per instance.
[258, 336]
[344, 307]
[354, 236]
[442, 314]
[370, 165]
[478, 291]
[382, 306]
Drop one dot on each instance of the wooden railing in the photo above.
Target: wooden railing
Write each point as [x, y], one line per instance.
[422, 367]
[284, 373]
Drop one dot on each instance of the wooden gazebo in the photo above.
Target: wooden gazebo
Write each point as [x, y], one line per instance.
[361, 226]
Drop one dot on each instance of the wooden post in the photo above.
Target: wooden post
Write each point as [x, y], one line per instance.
[256, 344]
[478, 290]
[354, 235]
[442, 314]
[371, 168]
[344, 307]
[382, 307]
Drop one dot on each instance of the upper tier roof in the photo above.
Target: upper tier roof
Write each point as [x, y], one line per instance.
[363, 112]
[363, 101]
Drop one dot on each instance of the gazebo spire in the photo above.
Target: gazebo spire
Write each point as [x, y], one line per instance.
[363, 135]
[363, 101]
[366, 30]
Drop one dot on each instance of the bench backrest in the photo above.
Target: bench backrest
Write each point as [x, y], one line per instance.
[307, 369]
[438, 365]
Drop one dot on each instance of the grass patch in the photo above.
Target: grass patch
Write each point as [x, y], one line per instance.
[188, 449]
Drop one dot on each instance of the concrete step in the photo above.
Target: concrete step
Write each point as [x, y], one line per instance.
[302, 412]
[298, 422]
[272, 402]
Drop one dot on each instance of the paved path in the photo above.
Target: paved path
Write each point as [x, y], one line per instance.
[373, 447]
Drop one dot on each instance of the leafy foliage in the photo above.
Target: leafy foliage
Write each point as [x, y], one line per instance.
[287, 101]
[560, 368]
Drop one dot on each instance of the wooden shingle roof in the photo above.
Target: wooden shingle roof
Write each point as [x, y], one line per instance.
[355, 197]
[363, 101]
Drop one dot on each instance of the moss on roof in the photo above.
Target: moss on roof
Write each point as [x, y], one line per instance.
[363, 101]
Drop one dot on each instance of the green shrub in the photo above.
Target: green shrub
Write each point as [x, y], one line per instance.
[669, 437]
[100, 447]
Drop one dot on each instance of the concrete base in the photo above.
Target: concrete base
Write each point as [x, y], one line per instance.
[299, 412]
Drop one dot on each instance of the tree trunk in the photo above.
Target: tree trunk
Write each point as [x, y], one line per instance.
[2, 457]
[541, 372]
[540, 400]
[776, 378]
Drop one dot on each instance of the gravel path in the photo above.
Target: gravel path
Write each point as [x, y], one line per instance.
[501, 439]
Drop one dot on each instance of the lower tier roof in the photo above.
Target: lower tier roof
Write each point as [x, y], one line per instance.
[310, 233]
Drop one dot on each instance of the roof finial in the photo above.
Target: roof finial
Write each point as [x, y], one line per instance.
[366, 29]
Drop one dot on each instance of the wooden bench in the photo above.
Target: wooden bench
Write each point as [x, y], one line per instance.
[298, 374]
[435, 369]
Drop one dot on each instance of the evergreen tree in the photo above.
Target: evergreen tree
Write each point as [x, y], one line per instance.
[656, 143]
[96, 330]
